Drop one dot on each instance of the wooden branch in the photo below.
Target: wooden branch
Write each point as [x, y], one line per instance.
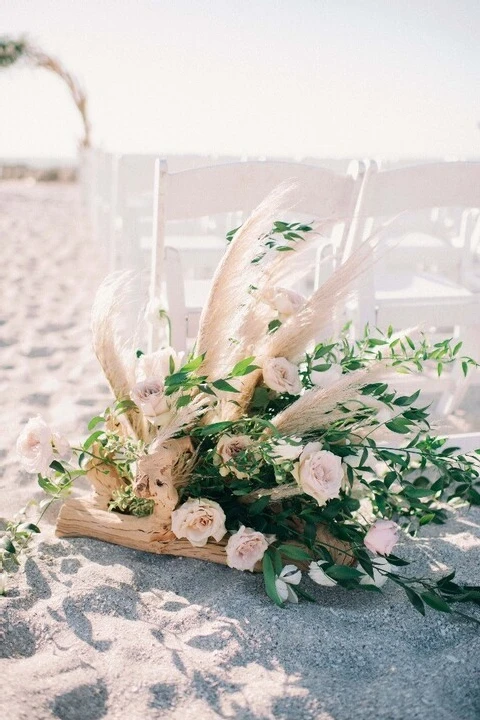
[90, 517]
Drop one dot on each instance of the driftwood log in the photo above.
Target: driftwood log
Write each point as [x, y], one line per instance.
[90, 517]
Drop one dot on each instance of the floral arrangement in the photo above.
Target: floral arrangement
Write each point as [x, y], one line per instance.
[270, 445]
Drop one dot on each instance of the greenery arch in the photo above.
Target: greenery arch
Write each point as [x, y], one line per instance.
[22, 50]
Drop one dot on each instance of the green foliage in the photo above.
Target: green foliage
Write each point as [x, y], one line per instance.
[125, 501]
[11, 51]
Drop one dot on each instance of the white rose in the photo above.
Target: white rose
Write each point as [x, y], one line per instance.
[35, 446]
[379, 579]
[328, 377]
[286, 302]
[318, 574]
[197, 520]
[228, 447]
[245, 548]
[157, 364]
[319, 473]
[283, 451]
[149, 396]
[282, 376]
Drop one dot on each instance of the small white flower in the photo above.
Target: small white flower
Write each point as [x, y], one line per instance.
[289, 576]
[319, 575]
[327, 377]
[3, 583]
[379, 579]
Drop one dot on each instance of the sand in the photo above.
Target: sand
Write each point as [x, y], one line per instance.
[91, 630]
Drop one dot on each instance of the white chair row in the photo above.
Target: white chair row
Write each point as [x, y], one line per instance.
[429, 279]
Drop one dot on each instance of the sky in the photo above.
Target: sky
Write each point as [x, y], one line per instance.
[276, 78]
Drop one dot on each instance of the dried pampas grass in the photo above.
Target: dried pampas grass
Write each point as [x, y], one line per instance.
[317, 408]
[115, 357]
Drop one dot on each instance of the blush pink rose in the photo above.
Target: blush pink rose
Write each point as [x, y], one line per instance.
[197, 520]
[245, 548]
[149, 396]
[319, 473]
[382, 537]
[228, 447]
[282, 376]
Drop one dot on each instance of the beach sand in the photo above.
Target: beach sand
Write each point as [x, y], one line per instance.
[91, 630]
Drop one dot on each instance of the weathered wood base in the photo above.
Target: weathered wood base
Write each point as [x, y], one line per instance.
[90, 517]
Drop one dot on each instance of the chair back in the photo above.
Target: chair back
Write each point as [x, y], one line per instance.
[231, 191]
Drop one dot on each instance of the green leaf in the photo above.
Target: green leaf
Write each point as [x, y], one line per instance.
[425, 519]
[436, 602]
[242, 367]
[193, 364]
[224, 386]
[322, 368]
[259, 505]
[273, 325]
[394, 560]
[269, 579]
[343, 572]
[398, 425]
[95, 421]
[47, 486]
[465, 368]
[415, 492]
[29, 527]
[7, 545]
[415, 599]
[294, 552]
[57, 466]
[183, 400]
[406, 399]
[93, 438]
[214, 428]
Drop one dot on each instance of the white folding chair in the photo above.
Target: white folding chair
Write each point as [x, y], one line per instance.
[233, 190]
[406, 297]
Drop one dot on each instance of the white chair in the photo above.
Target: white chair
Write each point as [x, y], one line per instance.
[231, 190]
[406, 297]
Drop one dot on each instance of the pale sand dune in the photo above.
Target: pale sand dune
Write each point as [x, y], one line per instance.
[96, 631]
